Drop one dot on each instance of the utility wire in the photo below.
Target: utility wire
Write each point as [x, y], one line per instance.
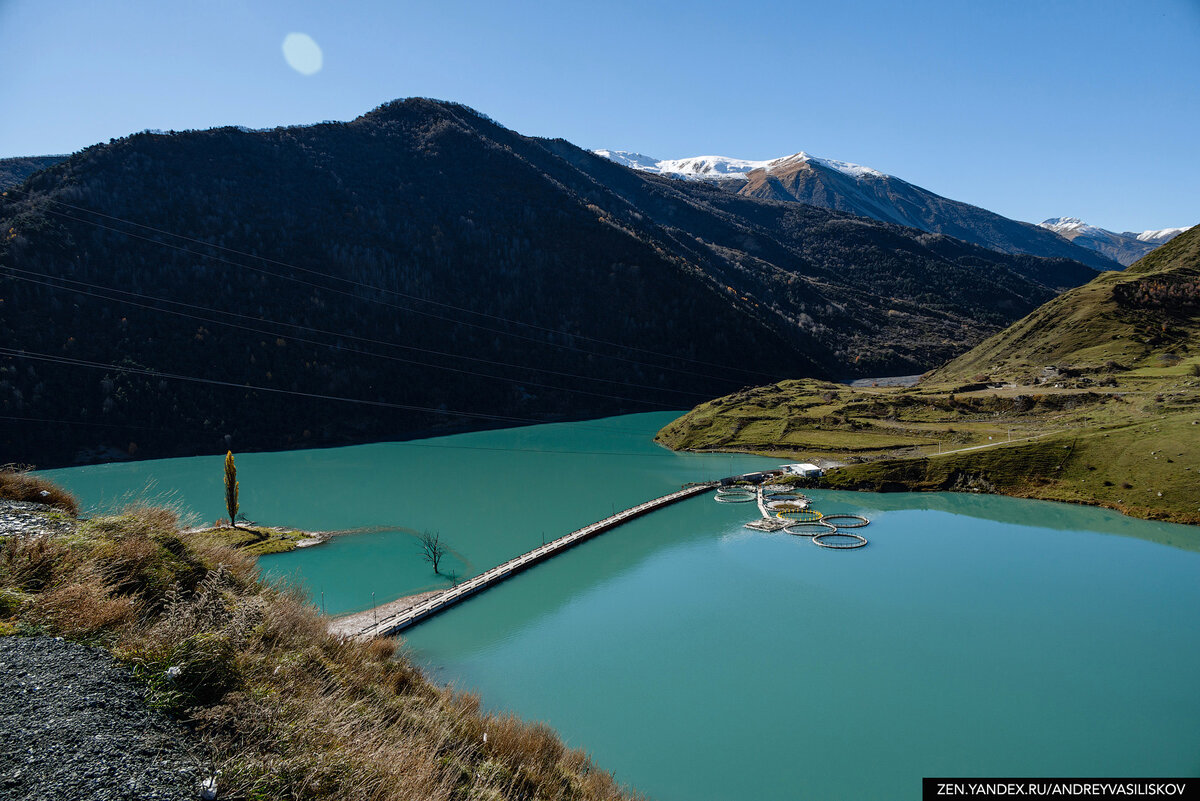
[30, 276]
[65, 360]
[335, 346]
[372, 287]
[404, 443]
[381, 302]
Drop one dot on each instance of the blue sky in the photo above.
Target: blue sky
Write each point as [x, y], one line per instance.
[1031, 109]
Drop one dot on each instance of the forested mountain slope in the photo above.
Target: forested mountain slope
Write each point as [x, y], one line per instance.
[14, 171]
[424, 261]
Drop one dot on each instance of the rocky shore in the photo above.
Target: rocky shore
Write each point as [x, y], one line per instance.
[75, 725]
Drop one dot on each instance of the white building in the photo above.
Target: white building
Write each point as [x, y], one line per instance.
[805, 469]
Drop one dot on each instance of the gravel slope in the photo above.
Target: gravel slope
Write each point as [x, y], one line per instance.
[74, 725]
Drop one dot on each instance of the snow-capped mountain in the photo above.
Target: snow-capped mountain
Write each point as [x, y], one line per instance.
[828, 183]
[1161, 236]
[715, 168]
[1126, 247]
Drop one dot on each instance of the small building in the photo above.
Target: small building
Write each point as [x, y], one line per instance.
[804, 469]
[757, 478]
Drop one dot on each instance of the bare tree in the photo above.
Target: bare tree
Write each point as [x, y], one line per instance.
[432, 549]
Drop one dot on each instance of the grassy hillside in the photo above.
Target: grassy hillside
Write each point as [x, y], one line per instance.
[1147, 316]
[286, 710]
[1093, 398]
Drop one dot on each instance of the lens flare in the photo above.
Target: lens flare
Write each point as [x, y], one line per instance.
[302, 53]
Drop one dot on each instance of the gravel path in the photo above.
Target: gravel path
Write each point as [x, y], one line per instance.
[26, 519]
[74, 725]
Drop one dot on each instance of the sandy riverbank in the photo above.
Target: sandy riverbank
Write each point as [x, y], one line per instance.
[349, 625]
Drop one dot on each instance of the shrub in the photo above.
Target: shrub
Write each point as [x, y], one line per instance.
[11, 601]
[30, 564]
[83, 610]
[16, 484]
[285, 709]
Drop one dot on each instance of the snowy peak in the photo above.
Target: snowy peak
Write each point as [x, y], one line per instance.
[710, 167]
[1076, 225]
[627, 158]
[1126, 247]
[1159, 237]
[854, 189]
[1068, 225]
[716, 168]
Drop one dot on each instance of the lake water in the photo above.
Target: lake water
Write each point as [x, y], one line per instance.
[974, 636]
[492, 495]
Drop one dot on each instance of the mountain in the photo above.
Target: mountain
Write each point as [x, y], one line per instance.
[422, 268]
[867, 192]
[14, 171]
[1147, 316]
[1125, 248]
[1160, 236]
[1092, 398]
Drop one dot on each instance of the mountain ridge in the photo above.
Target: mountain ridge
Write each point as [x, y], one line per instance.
[428, 266]
[1091, 399]
[856, 189]
[1126, 247]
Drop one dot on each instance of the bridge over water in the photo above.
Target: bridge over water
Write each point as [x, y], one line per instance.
[428, 607]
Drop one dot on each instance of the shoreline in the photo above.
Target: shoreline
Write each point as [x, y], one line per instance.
[352, 624]
[896, 482]
[259, 540]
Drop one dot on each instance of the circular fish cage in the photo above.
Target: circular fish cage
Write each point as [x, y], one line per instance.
[805, 529]
[839, 540]
[809, 515]
[855, 521]
[777, 489]
[787, 506]
[735, 497]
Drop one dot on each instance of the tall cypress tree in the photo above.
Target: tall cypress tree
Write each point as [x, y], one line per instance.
[231, 488]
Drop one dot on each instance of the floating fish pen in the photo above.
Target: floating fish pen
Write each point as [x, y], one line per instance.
[839, 540]
[788, 505]
[855, 521]
[766, 524]
[807, 529]
[805, 514]
[726, 495]
[794, 514]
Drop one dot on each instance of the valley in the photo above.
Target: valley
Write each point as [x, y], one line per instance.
[422, 269]
[1093, 398]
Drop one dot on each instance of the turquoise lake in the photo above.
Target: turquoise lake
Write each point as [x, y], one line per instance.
[974, 635]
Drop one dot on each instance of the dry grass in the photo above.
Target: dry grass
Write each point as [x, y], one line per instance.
[285, 710]
[16, 484]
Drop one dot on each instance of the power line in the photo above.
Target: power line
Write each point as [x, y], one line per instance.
[337, 347]
[72, 362]
[404, 443]
[340, 334]
[80, 423]
[375, 288]
[381, 302]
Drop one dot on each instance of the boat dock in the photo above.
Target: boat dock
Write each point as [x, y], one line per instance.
[447, 598]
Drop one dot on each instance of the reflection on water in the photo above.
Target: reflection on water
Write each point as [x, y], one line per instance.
[702, 660]
[492, 495]
[975, 635]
